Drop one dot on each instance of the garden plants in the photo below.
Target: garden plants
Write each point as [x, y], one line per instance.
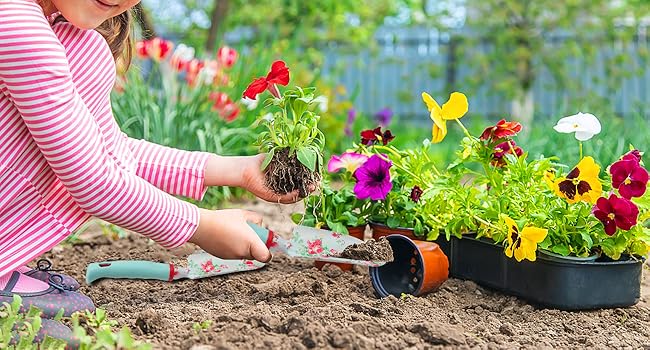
[292, 140]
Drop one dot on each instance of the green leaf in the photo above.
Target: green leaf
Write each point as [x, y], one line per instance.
[392, 222]
[268, 159]
[299, 107]
[307, 156]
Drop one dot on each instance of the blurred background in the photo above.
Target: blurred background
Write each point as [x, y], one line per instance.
[530, 61]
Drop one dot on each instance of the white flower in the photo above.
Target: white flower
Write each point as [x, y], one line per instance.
[268, 117]
[322, 101]
[250, 104]
[585, 125]
[184, 52]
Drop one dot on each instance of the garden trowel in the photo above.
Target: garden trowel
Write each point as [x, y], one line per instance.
[305, 243]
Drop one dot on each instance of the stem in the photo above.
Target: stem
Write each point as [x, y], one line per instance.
[464, 129]
[580, 150]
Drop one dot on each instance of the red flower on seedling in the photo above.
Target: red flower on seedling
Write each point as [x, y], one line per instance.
[501, 130]
[629, 177]
[207, 266]
[616, 212]
[279, 74]
[371, 137]
[314, 247]
[500, 150]
[416, 192]
[227, 56]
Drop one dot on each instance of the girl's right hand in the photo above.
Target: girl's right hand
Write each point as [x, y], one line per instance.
[227, 235]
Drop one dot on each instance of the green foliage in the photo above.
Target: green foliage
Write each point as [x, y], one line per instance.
[94, 330]
[294, 127]
[198, 327]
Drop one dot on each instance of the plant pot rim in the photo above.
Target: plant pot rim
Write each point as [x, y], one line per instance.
[553, 255]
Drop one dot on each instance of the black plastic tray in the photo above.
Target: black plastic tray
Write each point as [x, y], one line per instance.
[564, 285]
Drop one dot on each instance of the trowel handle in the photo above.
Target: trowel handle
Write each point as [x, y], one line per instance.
[264, 234]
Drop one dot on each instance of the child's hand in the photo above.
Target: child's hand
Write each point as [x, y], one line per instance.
[253, 181]
[227, 235]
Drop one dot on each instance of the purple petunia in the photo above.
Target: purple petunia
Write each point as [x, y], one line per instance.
[384, 116]
[352, 116]
[373, 179]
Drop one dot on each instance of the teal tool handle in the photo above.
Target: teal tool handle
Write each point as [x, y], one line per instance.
[265, 235]
[131, 269]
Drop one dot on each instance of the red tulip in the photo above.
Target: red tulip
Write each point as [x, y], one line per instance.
[279, 74]
[227, 56]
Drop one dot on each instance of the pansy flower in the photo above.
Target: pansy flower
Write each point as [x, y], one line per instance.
[523, 245]
[634, 155]
[279, 74]
[416, 193]
[373, 179]
[500, 150]
[616, 212]
[374, 136]
[501, 130]
[629, 177]
[584, 125]
[455, 108]
[581, 184]
[349, 161]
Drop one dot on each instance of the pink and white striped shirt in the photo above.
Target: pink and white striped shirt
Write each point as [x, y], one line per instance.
[63, 157]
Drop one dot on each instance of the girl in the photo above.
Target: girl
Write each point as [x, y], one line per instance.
[63, 158]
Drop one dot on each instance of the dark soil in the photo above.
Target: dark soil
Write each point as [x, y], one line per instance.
[369, 250]
[291, 305]
[285, 174]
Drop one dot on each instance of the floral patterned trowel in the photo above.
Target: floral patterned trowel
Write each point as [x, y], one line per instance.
[305, 243]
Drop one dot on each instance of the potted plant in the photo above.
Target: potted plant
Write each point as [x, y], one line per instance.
[524, 206]
[292, 140]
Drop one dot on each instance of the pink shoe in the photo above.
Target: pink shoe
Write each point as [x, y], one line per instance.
[44, 271]
[50, 297]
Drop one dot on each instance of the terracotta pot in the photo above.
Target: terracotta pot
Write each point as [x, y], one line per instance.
[381, 230]
[419, 268]
[357, 232]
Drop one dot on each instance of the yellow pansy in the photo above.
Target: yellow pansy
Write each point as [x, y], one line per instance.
[581, 184]
[523, 245]
[549, 178]
[455, 108]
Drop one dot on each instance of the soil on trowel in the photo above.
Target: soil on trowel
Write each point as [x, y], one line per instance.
[289, 304]
[369, 250]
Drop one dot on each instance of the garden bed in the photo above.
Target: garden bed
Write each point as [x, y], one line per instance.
[289, 304]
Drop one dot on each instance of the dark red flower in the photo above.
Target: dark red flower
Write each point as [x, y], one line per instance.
[501, 130]
[279, 74]
[616, 212]
[634, 155]
[629, 177]
[374, 136]
[500, 150]
[416, 192]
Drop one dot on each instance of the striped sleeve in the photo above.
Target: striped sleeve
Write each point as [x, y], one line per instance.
[37, 78]
[174, 171]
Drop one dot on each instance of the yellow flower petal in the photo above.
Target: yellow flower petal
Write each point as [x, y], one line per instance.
[512, 227]
[509, 250]
[520, 253]
[588, 168]
[456, 107]
[528, 249]
[430, 102]
[534, 234]
[438, 134]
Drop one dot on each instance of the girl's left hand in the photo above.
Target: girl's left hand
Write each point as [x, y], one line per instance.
[253, 181]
